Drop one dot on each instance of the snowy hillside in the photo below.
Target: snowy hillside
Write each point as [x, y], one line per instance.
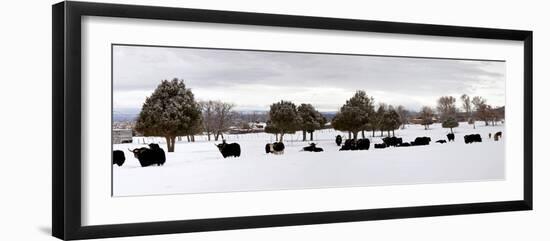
[199, 167]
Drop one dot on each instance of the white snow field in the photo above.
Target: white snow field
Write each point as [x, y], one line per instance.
[199, 167]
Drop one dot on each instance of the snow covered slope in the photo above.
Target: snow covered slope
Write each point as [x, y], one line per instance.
[199, 167]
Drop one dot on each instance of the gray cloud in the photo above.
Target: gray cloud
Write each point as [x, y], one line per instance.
[254, 79]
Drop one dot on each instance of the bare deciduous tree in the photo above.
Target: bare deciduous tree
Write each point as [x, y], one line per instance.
[482, 110]
[208, 116]
[468, 108]
[426, 114]
[403, 115]
[446, 107]
[223, 118]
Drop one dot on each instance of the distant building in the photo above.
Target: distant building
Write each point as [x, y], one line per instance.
[122, 136]
[419, 120]
[250, 127]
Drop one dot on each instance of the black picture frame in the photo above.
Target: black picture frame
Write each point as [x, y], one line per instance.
[66, 128]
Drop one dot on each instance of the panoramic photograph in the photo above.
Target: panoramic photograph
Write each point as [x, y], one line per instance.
[203, 120]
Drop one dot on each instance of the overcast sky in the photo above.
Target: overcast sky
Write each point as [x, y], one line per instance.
[253, 80]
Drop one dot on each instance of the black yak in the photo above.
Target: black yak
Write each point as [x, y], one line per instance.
[118, 157]
[349, 145]
[451, 137]
[472, 138]
[363, 144]
[352, 145]
[150, 156]
[338, 140]
[421, 141]
[498, 135]
[392, 141]
[275, 148]
[312, 148]
[380, 145]
[405, 144]
[229, 149]
[441, 141]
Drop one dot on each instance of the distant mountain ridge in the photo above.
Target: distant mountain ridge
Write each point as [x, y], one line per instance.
[125, 114]
[130, 114]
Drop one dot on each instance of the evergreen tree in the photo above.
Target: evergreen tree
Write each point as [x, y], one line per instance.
[311, 120]
[322, 122]
[450, 123]
[271, 129]
[380, 119]
[354, 115]
[169, 112]
[392, 120]
[284, 117]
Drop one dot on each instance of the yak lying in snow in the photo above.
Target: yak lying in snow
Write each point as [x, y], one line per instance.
[118, 157]
[349, 145]
[312, 148]
[352, 145]
[392, 141]
[380, 145]
[451, 137]
[498, 135]
[472, 138]
[338, 140]
[404, 144]
[150, 156]
[275, 148]
[441, 141]
[421, 141]
[229, 149]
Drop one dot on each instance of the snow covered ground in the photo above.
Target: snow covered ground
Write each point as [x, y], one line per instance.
[199, 167]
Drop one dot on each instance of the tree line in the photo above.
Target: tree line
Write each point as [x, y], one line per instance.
[172, 111]
[286, 118]
[475, 109]
[359, 115]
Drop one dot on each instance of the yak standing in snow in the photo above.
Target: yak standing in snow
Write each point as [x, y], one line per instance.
[421, 141]
[150, 156]
[231, 149]
[275, 148]
[363, 144]
[118, 157]
[498, 135]
[472, 138]
[312, 148]
[338, 140]
[451, 137]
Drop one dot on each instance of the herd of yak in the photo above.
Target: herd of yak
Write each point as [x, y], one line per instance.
[154, 155]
